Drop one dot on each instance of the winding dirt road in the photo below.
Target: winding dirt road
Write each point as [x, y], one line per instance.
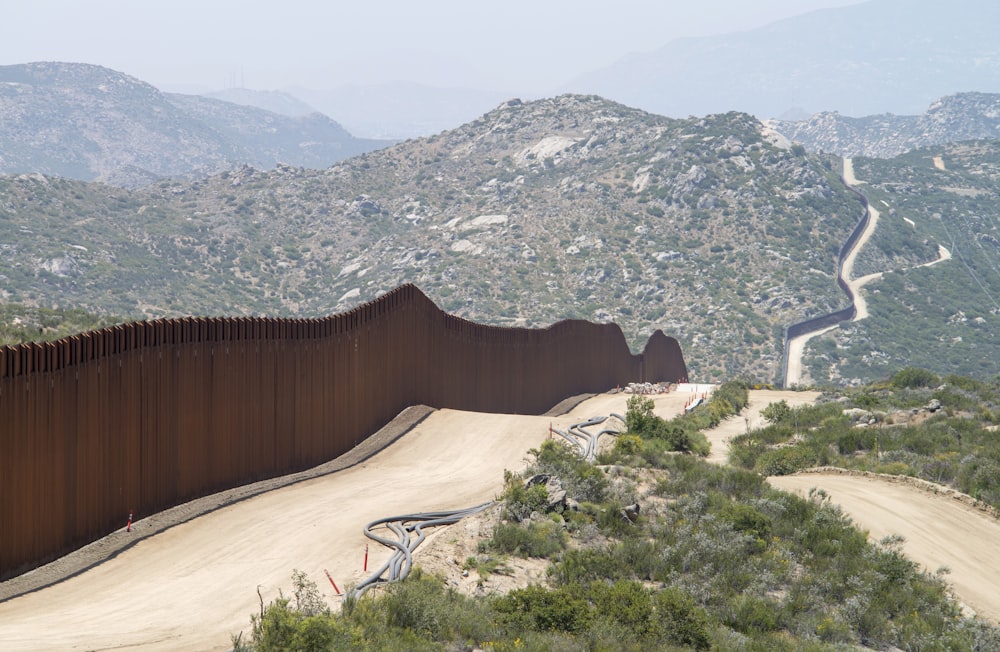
[938, 531]
[750, 419]
[797, 345]
[195, 584]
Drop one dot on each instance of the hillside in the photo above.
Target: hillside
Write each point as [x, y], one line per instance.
[90, 123]
[566, 207]
[965, 116]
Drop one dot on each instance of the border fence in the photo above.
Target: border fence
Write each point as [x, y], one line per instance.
[147, 415]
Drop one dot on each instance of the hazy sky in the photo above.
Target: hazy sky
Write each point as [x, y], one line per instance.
[516, 45]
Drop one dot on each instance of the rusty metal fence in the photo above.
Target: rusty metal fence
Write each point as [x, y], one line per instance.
[144, 416]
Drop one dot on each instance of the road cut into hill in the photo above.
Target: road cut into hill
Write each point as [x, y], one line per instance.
[197, 583]
[937, 530]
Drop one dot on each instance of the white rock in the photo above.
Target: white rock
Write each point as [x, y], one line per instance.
[350, 294]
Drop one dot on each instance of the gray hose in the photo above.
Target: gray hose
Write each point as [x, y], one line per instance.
[583, 439]
[401, 561]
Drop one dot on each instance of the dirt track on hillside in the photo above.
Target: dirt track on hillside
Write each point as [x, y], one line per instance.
[939, 531]
[193, 585]
[750, 418]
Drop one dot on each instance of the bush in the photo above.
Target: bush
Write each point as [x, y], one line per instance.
[521, 501]
[745, 518]
[544, 539]
[627, 445]
[680, 620]
[912, 377]
[537, 608]
[581, 479]
[676, 434]
[777, 412]
[782, 461]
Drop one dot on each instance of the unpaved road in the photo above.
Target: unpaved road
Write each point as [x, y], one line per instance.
[796, 346]
[938, 531]
[195, 584]
[750, 419]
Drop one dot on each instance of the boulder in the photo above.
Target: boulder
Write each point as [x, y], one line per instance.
[556, 500]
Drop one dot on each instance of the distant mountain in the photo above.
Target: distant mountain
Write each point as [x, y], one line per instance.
[91, 123]
[266, 138]
[966, 116]
[273, 101]
[880, 56]
[400, 110]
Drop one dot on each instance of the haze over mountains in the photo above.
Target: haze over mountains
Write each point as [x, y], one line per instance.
[881, 56]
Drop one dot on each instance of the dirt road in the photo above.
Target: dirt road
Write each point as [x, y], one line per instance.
[195, 584]
[939, 531]
[750, 419]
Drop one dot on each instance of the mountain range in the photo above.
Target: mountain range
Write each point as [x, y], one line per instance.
[966, 116]
[87, 122]
[713, 229]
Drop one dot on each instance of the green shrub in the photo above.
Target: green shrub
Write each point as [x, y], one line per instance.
[745, 518]
[543, 539]
[520, 501]
[680, 620]
[912, 377]
[627, 445]
[777, 412]
[782, 461]
[581, 479]
[537, 608]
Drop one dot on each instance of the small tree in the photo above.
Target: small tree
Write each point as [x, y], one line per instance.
[777, 412]
[912, 377]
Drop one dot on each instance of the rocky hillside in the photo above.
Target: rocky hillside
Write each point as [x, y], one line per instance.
[575, 206]
[86, 122]
[966, 116]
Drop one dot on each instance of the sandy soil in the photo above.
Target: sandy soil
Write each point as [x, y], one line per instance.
[750, 419]
[194, 584]
[796, 348]
[848, 175]
[939, 531]
[938, 162]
